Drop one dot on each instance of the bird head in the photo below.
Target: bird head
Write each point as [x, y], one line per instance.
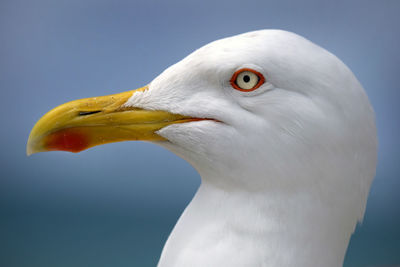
[264, 109]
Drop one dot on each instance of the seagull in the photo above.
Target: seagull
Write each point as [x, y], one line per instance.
[280, 130]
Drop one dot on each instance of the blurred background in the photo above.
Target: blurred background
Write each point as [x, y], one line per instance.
[115, 205]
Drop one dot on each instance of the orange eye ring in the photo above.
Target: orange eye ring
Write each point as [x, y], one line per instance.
[234, 84]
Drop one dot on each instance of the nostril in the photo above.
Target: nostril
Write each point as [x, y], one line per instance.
[84, 113]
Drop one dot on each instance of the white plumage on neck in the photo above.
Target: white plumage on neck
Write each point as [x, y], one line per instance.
[286, 169]
[231, 228]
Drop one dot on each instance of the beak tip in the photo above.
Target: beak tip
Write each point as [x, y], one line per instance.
[29, 149]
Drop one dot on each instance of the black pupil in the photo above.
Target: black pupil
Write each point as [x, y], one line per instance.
[246, 78]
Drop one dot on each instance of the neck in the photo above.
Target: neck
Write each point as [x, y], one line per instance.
[241, 228]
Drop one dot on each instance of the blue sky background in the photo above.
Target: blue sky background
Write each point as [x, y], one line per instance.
[115, 205]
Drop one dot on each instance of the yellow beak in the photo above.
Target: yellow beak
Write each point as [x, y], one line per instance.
[84, 123]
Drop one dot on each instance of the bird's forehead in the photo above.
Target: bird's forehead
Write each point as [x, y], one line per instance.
[257, 46]
[229, 52]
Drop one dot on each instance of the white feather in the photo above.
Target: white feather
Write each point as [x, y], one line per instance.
[286, 175]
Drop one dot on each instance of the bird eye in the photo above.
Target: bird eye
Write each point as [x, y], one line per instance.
[247, 80]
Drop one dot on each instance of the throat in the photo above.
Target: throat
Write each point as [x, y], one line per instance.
[241, 228]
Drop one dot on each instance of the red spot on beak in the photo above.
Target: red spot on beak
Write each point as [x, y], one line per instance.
[72, 140]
